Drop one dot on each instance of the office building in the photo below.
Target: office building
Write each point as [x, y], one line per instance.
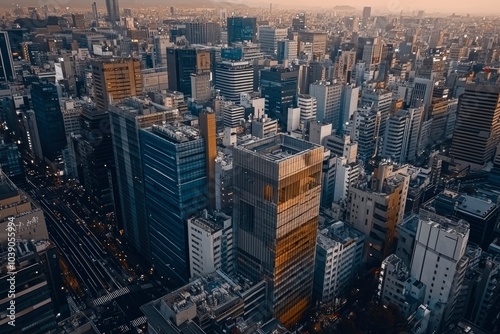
[203, 33]
[114, 80]
[78, 21]
[308, 107]
[175, 181]
[49, 119]
[287, 50]
[346, 176]
[71, 110]
[339, 254]
[317, 39]
[344, 66]
[279, 89]
[439, 263]
[126, 119]
[10, 161]
[224, 183]
[401, 136]
[95, 13]
[365, 131]
[376, 207]
[367, 12]
[96, 154]
[477, 131]
[113, 10]
[328, 96]
[269, 37]
[397, 287]
[380, 100]
[160, 45]
[206, 303]
[277, 188]
[264, 127]
[233, 115]
[210, 239]
[299, 22]
[407, 232]
[7, 73]
[201, 90]
[241, 29]
[208, 131]
[234, 78]
[181, 63]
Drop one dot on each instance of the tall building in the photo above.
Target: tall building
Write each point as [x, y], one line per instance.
[7, 73]
[233, 115]
[439, 262]
[286, 50]
[365, 131]
[49, 119]
[380, 100]
[339, 254]
[277, 188]
[367, 12]
[241, 29]
[95, 13]
[299, 22]
[210, 239]
[113, 9]
[181, 63]
[234, 78]
[160, 45]
[377, 209]
[126, 119]
[203, 33]
[96, 153]
[201, 90]
[279, 89]
[308, 107]
[269, 37]
[477, 131]
[175, 182]
[329, 101]
[208, 131]
[114, 80]
[318, 40]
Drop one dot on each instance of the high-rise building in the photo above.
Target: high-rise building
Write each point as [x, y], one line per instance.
[234, 78]
[201, 90]
[299, 22]
[78, 21]
[277, 188]
[175, 181]
[208, 131]
[477, 131]
[6, 61]
[160, 45]
[113, 9]
[339, 254]
[269, 37]
[10, 161]
[308, 107]
[380, 100]
[348, 105]
[181, 63]
[365, 131]
[95, 13]
[329, 97]
[96, 153]
[203, 33]
[241, 29]
[378, 208]
[233, 115]
[279, 88]
[114, 80]
[367, 12]
[210, 239]
[318, 40]
[126, 119]
[49, 119]
[439, 262]
[287, 50]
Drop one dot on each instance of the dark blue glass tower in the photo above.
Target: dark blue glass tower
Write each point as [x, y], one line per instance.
[49, 119]
[175, 182]
[240, 29]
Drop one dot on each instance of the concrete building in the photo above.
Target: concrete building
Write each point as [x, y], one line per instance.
[308, 107]
[200, 87]
[233, 115]
[438, 261]
[71, 110]
[264, 127]
[380, 100]
[397, 287]
[224, 183]
[269, 37]
[328, 96]
[234, 78]
[365, 131]
[206, 303]
[210, 239]
[339, 253]
[277, 188]
[407, 232]
[377, 206]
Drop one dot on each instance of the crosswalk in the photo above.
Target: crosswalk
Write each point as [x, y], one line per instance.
[109, 297]
[139, 321]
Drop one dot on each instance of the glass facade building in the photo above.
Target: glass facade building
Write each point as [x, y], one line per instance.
[277, 189]
[175, 180]
[240, 29]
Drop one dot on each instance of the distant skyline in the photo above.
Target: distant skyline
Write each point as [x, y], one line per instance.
[378, 6]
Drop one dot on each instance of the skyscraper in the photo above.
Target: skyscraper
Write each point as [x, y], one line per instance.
[49, 118]
[181, 63]
[299, 22]
[208, 131]
[234, 78]
[477, 131]
[95, 13]
[114, 80]
[175, 181]
[126, 119]
[113, 9]
[329, 101]
[367, 12]
[277, 188]
[269, 37]
[203, 32]
[279, 89]
[6, 62]
[240, 29]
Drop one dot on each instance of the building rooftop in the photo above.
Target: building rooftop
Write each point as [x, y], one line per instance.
[279, 148]
[210, 223]
[338, 232]
[475, 206]
[176, 132]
